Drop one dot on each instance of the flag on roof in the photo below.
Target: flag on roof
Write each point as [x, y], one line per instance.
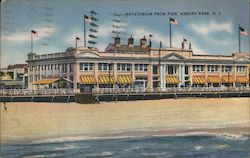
[34, 33]
[87, 18]
[173, 21]
[243, 31]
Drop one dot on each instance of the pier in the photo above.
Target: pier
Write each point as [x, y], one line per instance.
[120, 94]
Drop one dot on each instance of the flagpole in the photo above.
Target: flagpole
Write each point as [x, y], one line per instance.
[239, 37]
[31, 41]
[84, 31]
[170, 33]
[76, 43]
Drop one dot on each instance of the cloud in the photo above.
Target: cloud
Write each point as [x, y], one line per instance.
[212, 27]
[25, 36]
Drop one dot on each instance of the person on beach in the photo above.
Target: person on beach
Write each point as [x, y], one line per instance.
[5, 107]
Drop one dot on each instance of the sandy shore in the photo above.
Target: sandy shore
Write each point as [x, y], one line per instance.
[26, 122]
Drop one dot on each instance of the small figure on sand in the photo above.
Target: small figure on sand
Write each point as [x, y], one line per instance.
[5, 107]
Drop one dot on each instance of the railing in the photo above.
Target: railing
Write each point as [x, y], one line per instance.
[70, 91]
[26, 92]
[169, 90]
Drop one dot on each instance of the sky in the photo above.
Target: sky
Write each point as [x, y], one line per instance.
[58, 22]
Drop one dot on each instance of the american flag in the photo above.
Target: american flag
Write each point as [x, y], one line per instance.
[173, 21]
[34, 33]
[243, 31]
[87, 18]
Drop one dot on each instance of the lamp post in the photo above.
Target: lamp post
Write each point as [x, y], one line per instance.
[109, 68]
[159, 60]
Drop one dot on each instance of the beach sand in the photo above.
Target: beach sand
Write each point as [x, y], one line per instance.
[27, 122]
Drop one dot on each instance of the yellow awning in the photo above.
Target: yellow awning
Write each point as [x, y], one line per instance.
[227, 79]
[199, 80]
[213, 79]
[106, 79]
[125, 79]
[46, 80]
[88, 79]
[172, 80]
[241, 79]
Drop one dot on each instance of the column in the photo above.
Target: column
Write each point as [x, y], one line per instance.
[191, 74]
[96, 74]
[162, 77]
[76, 78]
[150, 77]
[60, 70]
[220, 73]
[247, 74]
[180, 74]
[68, 71]
[234, 74]
[205, 73]
[133, 71]
[183, 74]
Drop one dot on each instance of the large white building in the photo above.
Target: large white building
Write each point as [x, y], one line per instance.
[132, 66]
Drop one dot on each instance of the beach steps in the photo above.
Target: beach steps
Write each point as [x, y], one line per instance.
[85, 98]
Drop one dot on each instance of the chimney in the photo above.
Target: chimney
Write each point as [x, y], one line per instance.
[143, 42]
[182, 45]
[117, 41]
[131, 41]
[190, 47]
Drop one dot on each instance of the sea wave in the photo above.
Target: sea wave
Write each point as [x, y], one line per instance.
[77, 138]
[101, 154]
[127, 135]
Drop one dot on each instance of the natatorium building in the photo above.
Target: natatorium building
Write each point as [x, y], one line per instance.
[137, 67]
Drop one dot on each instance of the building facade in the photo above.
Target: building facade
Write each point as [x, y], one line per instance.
[14, 77]
[137, 67]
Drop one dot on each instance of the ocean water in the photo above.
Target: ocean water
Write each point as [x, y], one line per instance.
[182, 146]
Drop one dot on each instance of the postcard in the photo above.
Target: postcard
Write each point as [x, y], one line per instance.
[116, 78]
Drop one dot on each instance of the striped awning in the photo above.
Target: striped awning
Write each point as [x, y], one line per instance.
[213, 79]
[124, 79]
[106, 79]
[47, 80]
[227, 79]
[88, 79]
[241, 79]
[172, 80]
[199, 80]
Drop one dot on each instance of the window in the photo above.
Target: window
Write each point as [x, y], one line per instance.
[226, 68]
[123, 67]
[105, 66]
[186, 70]
[240, 68]
[71, 67]
[171, 69]
[141, 67]
[198, 68]
[86, 66]
[155, 69]
[212, 68]
[31, 68]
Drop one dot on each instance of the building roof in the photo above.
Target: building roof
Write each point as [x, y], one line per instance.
[125, 48]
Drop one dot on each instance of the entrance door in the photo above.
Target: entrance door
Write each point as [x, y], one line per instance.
[86, 88]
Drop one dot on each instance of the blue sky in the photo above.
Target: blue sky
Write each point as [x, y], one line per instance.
[58, 22]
